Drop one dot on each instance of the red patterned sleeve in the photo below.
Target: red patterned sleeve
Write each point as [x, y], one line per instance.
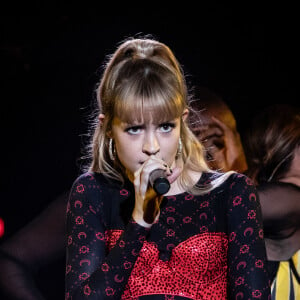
[95, 269]
[248, 278]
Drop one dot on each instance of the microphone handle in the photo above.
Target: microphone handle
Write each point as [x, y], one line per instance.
[159, 182]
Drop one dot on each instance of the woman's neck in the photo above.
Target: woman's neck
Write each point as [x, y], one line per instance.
[177, 189]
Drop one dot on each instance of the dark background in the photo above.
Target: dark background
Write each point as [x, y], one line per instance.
[50, 64]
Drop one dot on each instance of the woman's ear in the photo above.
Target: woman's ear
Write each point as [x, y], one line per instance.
[185, 114]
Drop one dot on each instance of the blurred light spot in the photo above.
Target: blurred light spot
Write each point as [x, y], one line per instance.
[1, 227]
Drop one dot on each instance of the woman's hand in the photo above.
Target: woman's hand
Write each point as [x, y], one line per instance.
[147, 202]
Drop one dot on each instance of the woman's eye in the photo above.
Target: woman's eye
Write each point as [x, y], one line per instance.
[167, 127]
[134, 130]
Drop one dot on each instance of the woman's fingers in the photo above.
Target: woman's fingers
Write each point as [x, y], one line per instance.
[142, 175]
[174, 174]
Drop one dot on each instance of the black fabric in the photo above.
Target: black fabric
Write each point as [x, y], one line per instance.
[27, 258]
[94, 270]
[40, 247]
[272, 267]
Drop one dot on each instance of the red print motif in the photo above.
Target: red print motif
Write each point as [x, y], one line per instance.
[170, 232]
[69, 240]
[232, 236]
[248, 231]
[187, 220]
[124, 192]
[127, 264]
[117, 279]
[241, 264]
[105, 267]
[237, 200]
[239, 281]
[244, 249]
[134, 252]
[91, 177]
[191, 272]
[203, 215]
[142, 238]
[252, 197]
[78, 203]
[82, 234]
[80, 188]
[83, 276]
[251, 214]
[85, 261]
[204, 204]
[170, 209]
[170, 220]
[87, 290]
[259, 264]
[203, 229]
[256, 294]
[189, 197]
[170, 247]
[91, 208]
[100, 236]
[261, 233]
[122, 244]
[79, 220]
[109, 291]
[248, 181]
[84, 249]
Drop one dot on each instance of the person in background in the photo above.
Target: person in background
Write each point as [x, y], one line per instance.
[37, 245]
[214, 124]
[272, 145]
[201, 238]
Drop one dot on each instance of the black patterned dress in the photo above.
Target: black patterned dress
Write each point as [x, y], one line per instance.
[202, 246]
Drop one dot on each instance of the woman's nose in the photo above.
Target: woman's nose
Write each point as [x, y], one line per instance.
[151, 144]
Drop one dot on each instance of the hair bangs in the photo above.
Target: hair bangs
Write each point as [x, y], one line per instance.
[146, 102]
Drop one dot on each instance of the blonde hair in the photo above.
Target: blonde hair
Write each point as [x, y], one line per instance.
[143, 76]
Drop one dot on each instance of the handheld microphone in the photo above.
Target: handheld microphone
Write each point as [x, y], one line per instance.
[159, 182]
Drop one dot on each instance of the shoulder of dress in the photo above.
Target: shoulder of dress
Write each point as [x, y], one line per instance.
[238, 178]
[88, 183]
[89, 178]
[241, 185]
